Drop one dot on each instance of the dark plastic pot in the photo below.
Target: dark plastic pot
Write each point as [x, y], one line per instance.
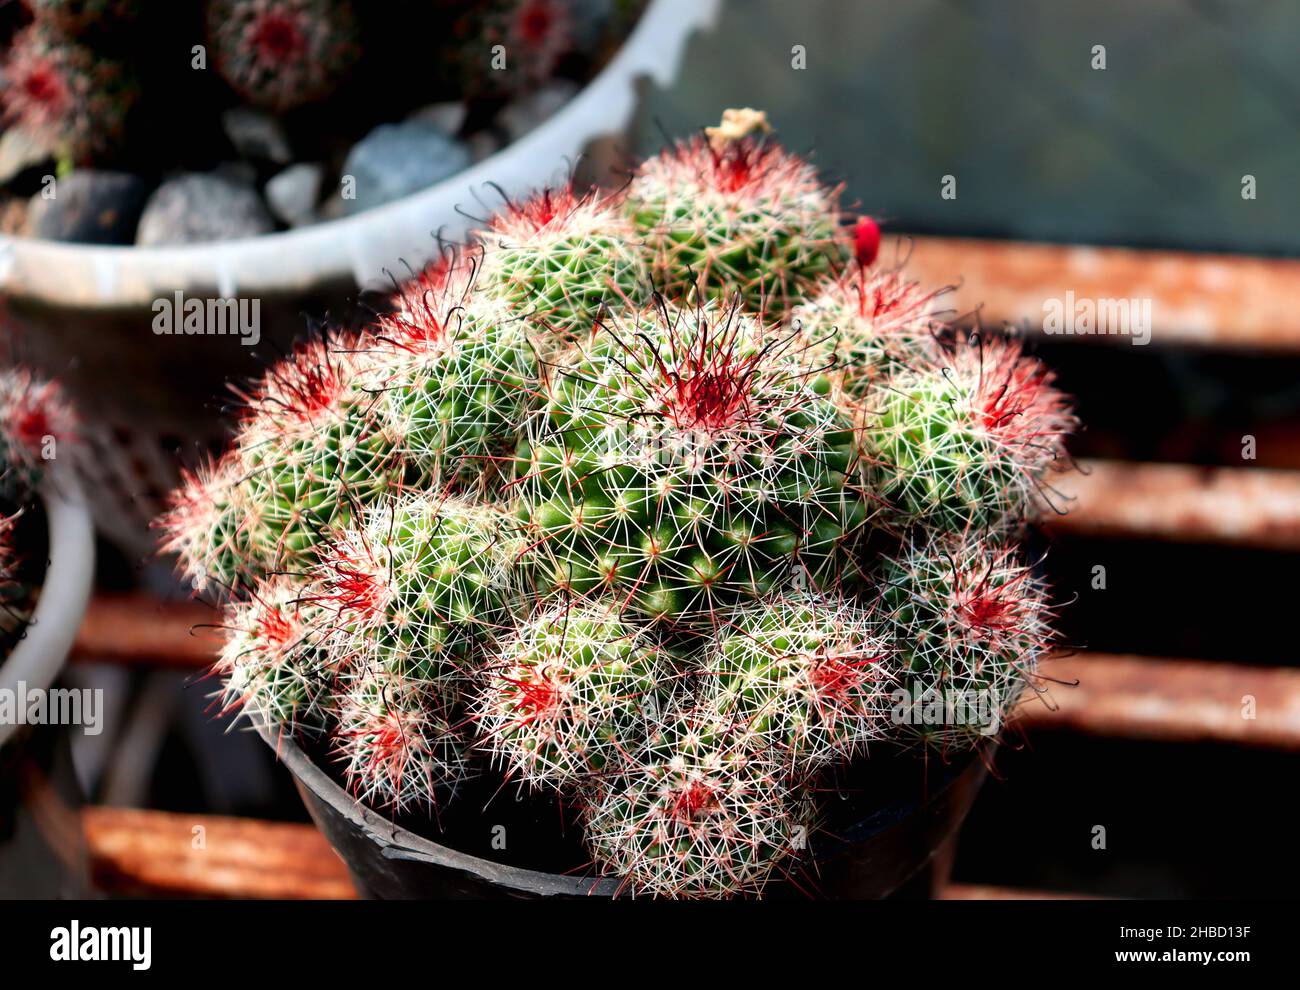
[857, 855]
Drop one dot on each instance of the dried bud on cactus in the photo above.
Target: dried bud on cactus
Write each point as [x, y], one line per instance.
[567, 695]
[695, 816]
[963, 442]
[736, 214]
[281, 54]
[807, 674]
[64, 95]
[970, 621]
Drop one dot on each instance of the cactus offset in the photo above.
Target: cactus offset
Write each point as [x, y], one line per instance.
[562, 259]
[806, 673]
[399, 750]
[694, 816]
[419, 586]
[687, 460]
[964, 440]
[970, 621]
[566, 696]
[273, 668]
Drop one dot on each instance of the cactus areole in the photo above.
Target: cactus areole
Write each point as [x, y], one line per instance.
[665, 506]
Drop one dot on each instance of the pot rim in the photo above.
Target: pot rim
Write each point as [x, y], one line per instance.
[358, 248]
[65, 590]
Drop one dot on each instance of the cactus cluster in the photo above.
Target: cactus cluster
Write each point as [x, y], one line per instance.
[666, 503]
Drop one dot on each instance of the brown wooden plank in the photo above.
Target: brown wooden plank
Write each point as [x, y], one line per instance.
[142, 630]
[1139, 697]
[985, 892]
[1245, 506]
[156, 853]
[1201, 299]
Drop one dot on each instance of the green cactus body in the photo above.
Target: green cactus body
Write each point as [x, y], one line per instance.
[692, 816]
[682, 463]
[739, 217]
[422, 586]
[560, 259]
[567, 695]
[456, 377]
[273, 668]
[963, 442]
[206, 524]
[806, 673]
[969, 621]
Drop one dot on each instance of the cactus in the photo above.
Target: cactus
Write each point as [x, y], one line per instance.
[398, 749]
[34, 419]
[695, 816]
[687, 460]
[561, 259]
[735, 214]
[456, 371]
[805, 673]
[312, 447]
[970, 621]
[869, 324]
[506, 46]
[281, 54]
[206, 526]
[625, 550]
[413, 592]
[64, 95]
[274, 671]
[566, 696]
[74, 17]
[965, 440]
